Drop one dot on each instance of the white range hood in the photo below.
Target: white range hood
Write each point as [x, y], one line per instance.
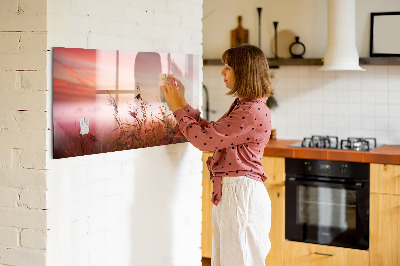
[341, 51]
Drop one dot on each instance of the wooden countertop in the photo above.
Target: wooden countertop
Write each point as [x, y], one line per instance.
[389, 154]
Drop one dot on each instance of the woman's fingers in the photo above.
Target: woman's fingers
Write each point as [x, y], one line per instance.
[171, 96]
[174, 92]
[179, 84]
[174, 81]
[163, 89]
[170, 86]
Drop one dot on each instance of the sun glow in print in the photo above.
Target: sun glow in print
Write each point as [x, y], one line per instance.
[109, 100]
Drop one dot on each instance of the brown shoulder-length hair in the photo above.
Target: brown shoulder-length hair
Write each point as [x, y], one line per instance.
[250, 66]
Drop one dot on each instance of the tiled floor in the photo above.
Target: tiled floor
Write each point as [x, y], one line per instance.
[206, 261]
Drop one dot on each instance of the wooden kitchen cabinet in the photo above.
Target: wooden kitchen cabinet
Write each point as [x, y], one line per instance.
[277, 233]
[274, 168]
[385, 178]
[384, 237]
[206, 226]
[305, 254]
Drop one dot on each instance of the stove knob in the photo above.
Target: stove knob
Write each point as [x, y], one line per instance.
[308, 166]
[343, 168]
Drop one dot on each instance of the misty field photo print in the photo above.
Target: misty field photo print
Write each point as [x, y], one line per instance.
[110, 100]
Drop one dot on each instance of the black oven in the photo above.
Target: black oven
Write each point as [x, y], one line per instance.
[327, 202]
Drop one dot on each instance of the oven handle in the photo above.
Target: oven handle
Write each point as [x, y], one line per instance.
[357, 185]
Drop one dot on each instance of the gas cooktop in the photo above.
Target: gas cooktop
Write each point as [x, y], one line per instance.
[332, 142]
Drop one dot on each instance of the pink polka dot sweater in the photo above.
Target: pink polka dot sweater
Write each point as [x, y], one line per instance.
[238, 140]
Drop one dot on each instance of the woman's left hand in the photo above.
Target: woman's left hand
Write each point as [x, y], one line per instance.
[171, 95]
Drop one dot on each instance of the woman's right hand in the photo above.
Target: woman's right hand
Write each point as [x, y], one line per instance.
[181, 91]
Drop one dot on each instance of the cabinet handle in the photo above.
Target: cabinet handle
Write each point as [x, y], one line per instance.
[324, 254]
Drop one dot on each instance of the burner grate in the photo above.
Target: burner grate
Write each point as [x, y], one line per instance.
[332, 142]
[358, 144]
[327, 142]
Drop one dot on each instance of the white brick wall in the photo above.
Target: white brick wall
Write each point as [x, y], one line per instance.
[9, 237]
[24, 256]
[23, 16]
[100, 205]
[33, 239]
[23, 178]
[121, 208]
[137, 207]
[23, 218]
[9, 197]
[23, 132]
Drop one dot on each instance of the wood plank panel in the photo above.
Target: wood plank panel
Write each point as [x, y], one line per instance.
[277, 233]
[206, 232]
[384, 230]
[385, 178]
[305, 254]
[274, 168]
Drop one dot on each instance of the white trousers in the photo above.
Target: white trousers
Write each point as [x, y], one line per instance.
[241, 223]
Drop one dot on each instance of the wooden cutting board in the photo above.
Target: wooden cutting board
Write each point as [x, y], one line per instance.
[239, 35]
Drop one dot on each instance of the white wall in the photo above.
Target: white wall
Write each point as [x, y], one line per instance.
[311, 102]
[23, 133]
[126, 208]
[304, 18]
[136, 207]
[343, 104]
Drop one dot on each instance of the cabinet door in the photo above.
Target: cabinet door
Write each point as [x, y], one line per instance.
[277, 233]
[304, 254]
[206, 232]
[274, 168]
[385, 178]
[384, 236]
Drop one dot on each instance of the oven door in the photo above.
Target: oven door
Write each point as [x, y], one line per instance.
[327, 213]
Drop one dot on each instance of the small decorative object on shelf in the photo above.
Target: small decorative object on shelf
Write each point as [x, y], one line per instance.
[273, 134]
[259, 26]
[297, 49]
[271, 102]
[239, 35]
[276, 38]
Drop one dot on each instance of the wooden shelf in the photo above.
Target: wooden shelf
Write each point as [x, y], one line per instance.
[274, 63]
[212, 62]
[380, 61]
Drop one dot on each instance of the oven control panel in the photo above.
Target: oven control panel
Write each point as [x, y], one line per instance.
[338, 169]
[325, 167]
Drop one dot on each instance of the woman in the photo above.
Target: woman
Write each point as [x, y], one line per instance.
[242, 208]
